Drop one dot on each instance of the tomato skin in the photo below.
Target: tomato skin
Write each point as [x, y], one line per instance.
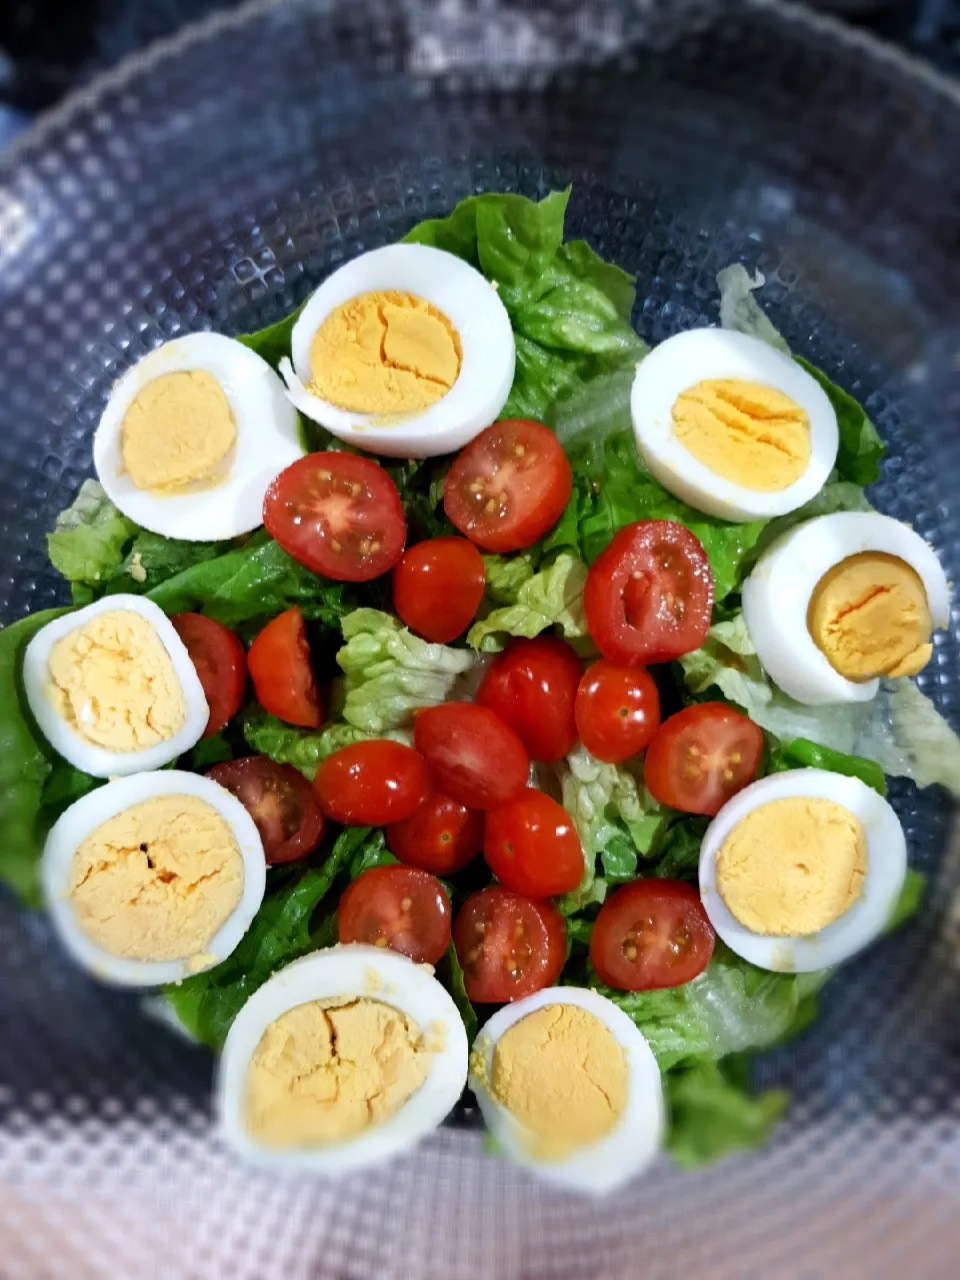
[442, 836]
[691, 754]
[371, 784]
[473, 757]
[221, 665]
[437, 588]
[651, 934]
[398, 907]
[337, 514]
[532, 687]
[532, 847]
[649, 594]
[519, 467]
[508, 946]
[279, 800]
[279, 666]
[617, 711]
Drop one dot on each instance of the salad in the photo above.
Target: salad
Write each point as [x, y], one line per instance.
[456, 690]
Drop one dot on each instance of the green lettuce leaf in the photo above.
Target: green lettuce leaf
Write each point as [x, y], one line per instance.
[305, 749]
[273, 342]
[552, 597]
[801, 754]
[712, 1112]
[678, 853]
[451, 975]
[88, 541]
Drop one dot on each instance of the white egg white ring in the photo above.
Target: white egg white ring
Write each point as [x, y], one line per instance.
[96, 808]
[777, 594]
[471, 305]
[638, 1136]
[360, 972]
[856, 928]
[87, 756]
[267, 441]
[702, 354]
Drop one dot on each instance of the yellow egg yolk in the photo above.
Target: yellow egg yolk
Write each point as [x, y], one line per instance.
[385, 354]
[751, 435]
[177, 432]
[562, 1075]
[869, 617]
[325, 1071]
[158, 880]
[113, 682]
[793, 866]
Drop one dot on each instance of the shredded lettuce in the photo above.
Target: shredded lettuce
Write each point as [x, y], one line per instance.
[552, 597]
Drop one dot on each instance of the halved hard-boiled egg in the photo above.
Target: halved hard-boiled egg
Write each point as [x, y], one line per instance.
[152, 878]
[406, 351]
[842, 600]
[801, 870]
[342, 1059]
[113, 688]
[570, 1088]
[192, 436]
[731, 425]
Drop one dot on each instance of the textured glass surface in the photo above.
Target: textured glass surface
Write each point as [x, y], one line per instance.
[213, 184]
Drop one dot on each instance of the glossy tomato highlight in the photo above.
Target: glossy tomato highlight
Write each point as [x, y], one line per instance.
[437, 588]
[617, 711]
[442, 836]
[473, 757]
[532, 687]
[532, 847]
[371, 784]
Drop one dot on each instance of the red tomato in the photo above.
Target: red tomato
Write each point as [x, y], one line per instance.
[649, 595]
[442, 836]
[438, 586]
[371, 784]
[532, 687]
[396, 907]
[279, 666]
[531, 846]
[280, 802]
[651, 934]
[617, 710]
[473, 757]
[701, 757]
[508, 946]
[221, 665]
[508, 486]
[338, 514]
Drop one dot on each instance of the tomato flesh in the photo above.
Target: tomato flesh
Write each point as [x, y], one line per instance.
[508, 486]
[701, 757]
[531, 846]
[338, 514]
[279, 666]
[437, 588]
[371, 784]
[651, 934]
[442, 836]
[279, 800]
[617, 711]
[401, 908]
[649, 594]
[508, 946]
[532, 687]
[473, 757]
[221, 665]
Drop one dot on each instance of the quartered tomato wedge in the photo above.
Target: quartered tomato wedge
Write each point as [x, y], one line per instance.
[532, 686]
[401, 908]
[438, 586]
[508, 946]
[221, 665]
[279, 665]
[702, 756]
[651, 934]
[279, 800]
[337, 514]
[649, 595]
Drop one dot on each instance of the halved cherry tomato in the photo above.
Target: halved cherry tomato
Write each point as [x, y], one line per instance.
[221, 665]
[617, 711]
[508, 486]
[508, 946]
[397, 907]
[280, 802]
[702, 756]
[442, 836]
[371, 784]
[438, 586]
[338, 514]
[473, 757]
[651, 934]
[532, 847]
[532, 687]
[649, 594]
[279, 666]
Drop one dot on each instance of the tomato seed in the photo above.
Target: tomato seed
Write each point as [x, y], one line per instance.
[406, 904]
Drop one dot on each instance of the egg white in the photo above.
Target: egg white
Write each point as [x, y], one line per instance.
[701, 354]
[856, 928]
[777, 595]
[354, 971]
[471, 305]
[266, 442]
[96, 808]
[638, 1136]
[86, 756]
